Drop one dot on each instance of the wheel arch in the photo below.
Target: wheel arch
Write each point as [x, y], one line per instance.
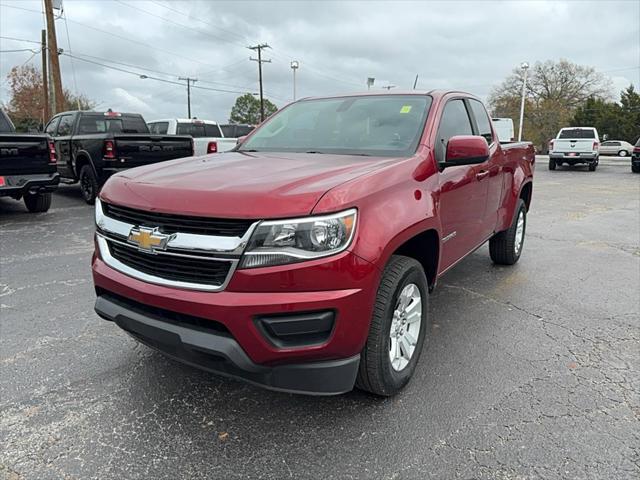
[423, 246]
[526, 192]
[83, 158]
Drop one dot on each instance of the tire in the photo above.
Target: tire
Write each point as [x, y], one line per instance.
[503, 247]
[623, 153]
[635, 168]
[592, 166]
[552, 164]
[88, 184]
[37, 202]
[377, 373]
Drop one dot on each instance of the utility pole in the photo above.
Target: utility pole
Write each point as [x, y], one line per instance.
[524, 66]
[189, 82]
[45, 79]
[58, 99]
[260, 61]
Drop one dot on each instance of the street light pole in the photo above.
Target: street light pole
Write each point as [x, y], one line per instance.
[524, 66]
[294, 66]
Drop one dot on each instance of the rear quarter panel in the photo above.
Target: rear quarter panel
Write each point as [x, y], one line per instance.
[518, 168]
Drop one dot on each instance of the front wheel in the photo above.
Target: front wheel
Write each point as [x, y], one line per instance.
[505, 247]
[398, 328]
[37, 202]
[88, 184]
[623, 153]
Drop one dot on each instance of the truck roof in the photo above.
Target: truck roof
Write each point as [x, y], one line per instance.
[185, 120]
[436, 94]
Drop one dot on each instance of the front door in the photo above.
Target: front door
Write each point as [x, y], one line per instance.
[63, 146]
[463, 194]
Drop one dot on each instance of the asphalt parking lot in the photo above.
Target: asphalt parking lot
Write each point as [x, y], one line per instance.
[532, 371]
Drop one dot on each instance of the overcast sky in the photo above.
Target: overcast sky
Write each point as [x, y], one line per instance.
[464, 45]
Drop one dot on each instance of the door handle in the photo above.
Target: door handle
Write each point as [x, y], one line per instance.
[481, 174]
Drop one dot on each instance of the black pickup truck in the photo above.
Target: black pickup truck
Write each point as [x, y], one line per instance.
[92, 146]
[27, 166]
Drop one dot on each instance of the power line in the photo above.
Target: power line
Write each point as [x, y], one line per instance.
[145, 77]
[239, 36]
[73, 67]
[20, 50]
[19, 39]
[200, 32]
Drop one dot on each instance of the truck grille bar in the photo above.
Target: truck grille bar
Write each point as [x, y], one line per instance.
[184, 259]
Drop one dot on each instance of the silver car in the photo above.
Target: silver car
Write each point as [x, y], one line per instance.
[615, 147]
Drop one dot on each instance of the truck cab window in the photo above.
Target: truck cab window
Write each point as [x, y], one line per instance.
[482, 120]
[159, 128]
[64, 128]
[454, 121]
[51, 128]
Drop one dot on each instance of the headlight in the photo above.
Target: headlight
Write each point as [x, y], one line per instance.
[287, 241]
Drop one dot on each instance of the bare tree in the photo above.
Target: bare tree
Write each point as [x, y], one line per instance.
[554, 91]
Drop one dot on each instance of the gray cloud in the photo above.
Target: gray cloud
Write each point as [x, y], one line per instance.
[466, 45]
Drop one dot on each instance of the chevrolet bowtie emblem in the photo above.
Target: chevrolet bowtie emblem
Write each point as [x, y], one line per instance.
[149, 239]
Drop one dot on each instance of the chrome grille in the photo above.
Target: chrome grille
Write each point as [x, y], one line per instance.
[169, 223]
[177, 267]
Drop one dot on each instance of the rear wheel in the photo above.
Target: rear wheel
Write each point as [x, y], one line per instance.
[592, 166]
[623, 153]
[88, 184]
[398, 328]
[37, 202]
[552, 164]
[505, 247]
[635, 167]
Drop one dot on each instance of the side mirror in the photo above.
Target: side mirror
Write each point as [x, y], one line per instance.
[240, 140]
[465, 150]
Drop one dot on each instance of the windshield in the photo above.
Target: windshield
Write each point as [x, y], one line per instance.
[389, 125]
[577, 133]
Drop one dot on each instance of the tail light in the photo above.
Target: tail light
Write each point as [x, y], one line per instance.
[595, 145]
[109, 150]
[53, 159]
[636, 149]
[551, 145]
[212, 147]
[2, 182]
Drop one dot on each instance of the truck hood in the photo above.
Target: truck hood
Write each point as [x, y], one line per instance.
[237, 184]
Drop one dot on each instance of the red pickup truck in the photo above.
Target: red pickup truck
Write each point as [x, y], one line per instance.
[302, 260]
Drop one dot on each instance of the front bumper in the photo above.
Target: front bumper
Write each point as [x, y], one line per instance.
[19, 185]
[577, 158]
[223, 355]
[344, 285]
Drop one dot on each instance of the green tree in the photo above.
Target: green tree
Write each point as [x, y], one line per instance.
[247, 110]
[618, 121]
[554, 91]
[630, 103]
[26, 102]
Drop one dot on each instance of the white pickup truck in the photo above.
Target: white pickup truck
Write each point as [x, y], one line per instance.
[207, 135]
[575, 145]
